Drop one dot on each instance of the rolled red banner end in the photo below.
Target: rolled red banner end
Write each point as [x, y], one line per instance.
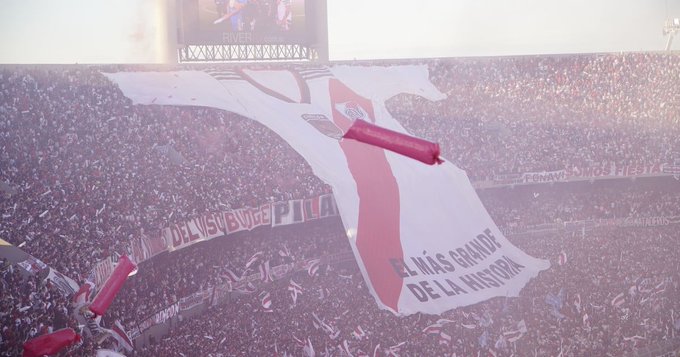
[415, 148]
[50, 344]
[110, 289]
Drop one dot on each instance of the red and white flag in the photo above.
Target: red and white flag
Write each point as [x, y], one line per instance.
[313, 267]
[433, 329]
[231, 276]
[516, 334]
[393, 350]
[659, 288]
[562, 259]
[577, 302]
[299, 342]
[295, 290]
[120, 336]
[284, 252]
[247, 288]
[619, 300]
[332, 332]
[212, 301]
[265, 272]
[445, 321]
[308, 350]
[84, 295]
[266, 300]
[393, 208]
[444, 339]
[254, 259]
[358, 332]
[32, 265]
[634, 339]
[345, 348]
[375, 350]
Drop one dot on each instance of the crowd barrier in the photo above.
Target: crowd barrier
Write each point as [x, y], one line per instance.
[575, 174]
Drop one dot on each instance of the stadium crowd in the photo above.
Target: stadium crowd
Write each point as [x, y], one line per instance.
[83, 171]
[83, 162]
[527, 114]
[635, 264]
[30, 307]
[167, 278]
[534, 205]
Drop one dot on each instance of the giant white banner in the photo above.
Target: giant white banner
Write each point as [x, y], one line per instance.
[421, 237]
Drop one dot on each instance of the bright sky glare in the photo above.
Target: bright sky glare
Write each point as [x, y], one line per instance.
[134, 31]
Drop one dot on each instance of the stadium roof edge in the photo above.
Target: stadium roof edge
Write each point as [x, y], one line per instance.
[332, 62]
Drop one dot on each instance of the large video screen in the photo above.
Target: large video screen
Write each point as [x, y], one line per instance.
[243, 21]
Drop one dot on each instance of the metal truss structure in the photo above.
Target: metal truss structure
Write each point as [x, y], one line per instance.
[246, 52]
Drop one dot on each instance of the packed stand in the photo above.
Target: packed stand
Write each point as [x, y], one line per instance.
[81, 158]
[84, 170]
[602, 264]
[534, 113]
[89, 170]
[31, 306]
[540, 204]
[163, 280]
[169, 277]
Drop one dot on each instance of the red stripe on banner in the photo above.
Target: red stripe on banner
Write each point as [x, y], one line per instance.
[378, 238]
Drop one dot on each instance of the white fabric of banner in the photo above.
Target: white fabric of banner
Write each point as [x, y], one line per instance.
[421, 236]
